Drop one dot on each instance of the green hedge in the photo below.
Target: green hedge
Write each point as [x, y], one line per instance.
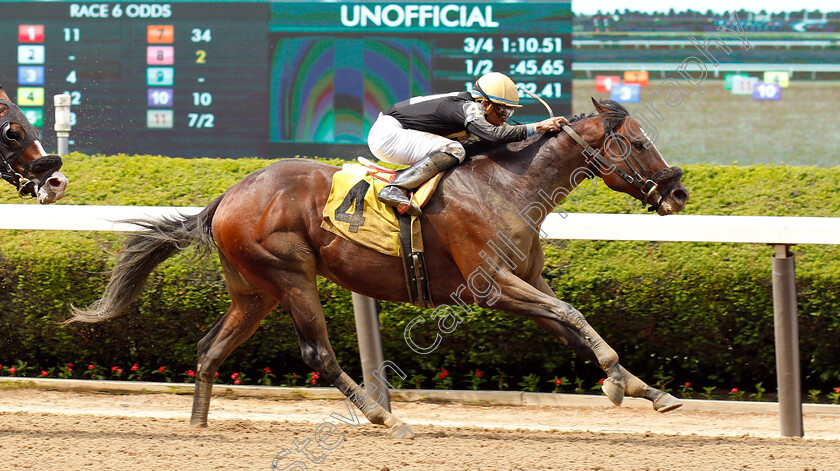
[696, 312]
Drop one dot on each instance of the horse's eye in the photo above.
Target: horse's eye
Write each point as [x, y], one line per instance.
[639, 145]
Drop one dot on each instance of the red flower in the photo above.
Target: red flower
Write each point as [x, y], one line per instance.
[115, 368]
[236, 381]
[734, 390]
[601, 381]
[837, 390]
[70, 365]
[443, 373]
[162, 369]
[12, 370]
[216, 375]
[45, 373]
[91, 366]
[190, 373]
[316, 375]
[234, 376]
[558, 381]
[119, 370]
[687, 384]
[134, 367]
[267, 369]
[479, 373]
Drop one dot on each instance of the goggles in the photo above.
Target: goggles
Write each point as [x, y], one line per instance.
[504, 111]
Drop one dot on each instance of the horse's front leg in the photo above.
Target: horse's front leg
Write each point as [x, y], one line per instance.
[633, 386]
[518, 297]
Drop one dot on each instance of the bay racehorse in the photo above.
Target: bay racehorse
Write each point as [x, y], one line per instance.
[25, 164]
[267, 229]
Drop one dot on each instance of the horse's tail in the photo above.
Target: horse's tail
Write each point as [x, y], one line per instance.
[143, 251]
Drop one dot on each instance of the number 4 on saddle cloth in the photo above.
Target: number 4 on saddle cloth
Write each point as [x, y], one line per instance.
[353, 212]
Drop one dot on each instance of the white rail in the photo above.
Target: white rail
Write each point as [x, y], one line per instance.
[81, 218]
[647, 43]
[685, 228]
[662, 67]
[782, 232]
[677, 228]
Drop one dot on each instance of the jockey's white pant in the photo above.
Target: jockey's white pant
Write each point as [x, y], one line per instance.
[389, 141]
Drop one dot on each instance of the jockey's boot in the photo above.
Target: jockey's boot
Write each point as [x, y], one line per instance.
[396, 194]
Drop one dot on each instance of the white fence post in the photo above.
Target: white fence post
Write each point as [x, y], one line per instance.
[62, 123]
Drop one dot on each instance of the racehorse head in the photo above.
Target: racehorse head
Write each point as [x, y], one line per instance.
[25, 163]
[634, 165]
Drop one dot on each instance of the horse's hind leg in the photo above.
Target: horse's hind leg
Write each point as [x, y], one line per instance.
[249, 306]
[633, 386]
[302, 301]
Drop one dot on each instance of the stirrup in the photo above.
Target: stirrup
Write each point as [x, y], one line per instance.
[395, 196]
[411, 208]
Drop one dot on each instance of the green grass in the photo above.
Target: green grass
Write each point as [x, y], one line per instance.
[720, 128]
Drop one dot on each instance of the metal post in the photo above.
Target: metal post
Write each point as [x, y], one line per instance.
[787, 342]
[62, 123]
[370, 346]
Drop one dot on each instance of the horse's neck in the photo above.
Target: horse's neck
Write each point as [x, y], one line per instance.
[545, 168]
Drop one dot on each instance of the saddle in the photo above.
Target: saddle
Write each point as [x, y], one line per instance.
[353, 212]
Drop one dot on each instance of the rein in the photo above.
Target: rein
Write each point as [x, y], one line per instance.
[12, 149]
[641, 179]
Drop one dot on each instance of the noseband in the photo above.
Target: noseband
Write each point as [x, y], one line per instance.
[11, 149]
[640, 178]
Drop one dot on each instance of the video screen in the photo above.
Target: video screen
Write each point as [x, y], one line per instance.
[728, 82]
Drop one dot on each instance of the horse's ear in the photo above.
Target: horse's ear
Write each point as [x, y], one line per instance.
[598, 106]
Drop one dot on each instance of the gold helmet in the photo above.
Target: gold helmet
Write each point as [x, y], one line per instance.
[498, 88]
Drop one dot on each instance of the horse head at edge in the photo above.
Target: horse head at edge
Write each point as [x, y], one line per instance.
[25, 164]
[633, 163]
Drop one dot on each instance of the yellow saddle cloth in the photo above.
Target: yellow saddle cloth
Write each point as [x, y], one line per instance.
[355, 213]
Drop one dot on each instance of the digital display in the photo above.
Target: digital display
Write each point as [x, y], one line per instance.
[183, 79]
[242, 79]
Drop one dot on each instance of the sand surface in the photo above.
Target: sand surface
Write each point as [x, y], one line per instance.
[51, 430]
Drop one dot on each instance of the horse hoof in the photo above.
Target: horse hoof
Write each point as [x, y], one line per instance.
[614, 391]
[666, 402]
[401, 431]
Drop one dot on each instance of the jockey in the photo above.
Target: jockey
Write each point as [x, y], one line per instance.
[422, 132]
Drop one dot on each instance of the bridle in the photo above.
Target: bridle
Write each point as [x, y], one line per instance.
[11, 149]
[640, 177]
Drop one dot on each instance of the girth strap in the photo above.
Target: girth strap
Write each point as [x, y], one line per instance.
[414, 265]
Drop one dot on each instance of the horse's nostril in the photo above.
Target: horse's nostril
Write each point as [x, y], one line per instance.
[55, 182]
[679, 195]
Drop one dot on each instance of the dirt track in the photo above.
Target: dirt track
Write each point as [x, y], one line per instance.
[45, 430]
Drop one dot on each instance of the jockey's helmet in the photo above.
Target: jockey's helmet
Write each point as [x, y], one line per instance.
[498, 88]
